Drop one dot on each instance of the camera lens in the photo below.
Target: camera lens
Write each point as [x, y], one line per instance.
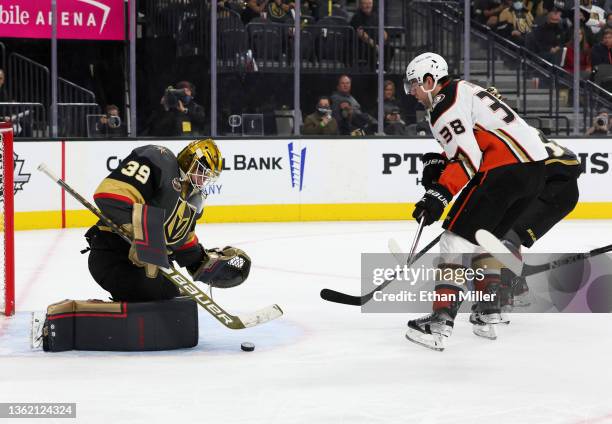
[114, 121]
[600, 122]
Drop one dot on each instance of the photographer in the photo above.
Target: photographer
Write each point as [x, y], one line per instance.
[394, 124]
[601, 125]
[353, 122]
[181, 115]
[109, 125]
[321, 122]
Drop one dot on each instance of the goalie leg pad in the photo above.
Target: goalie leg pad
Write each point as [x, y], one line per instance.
[120, 326]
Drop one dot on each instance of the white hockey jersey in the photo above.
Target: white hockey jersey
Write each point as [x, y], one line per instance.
[479, 132]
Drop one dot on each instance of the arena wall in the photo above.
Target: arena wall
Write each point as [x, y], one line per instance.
[275, 180]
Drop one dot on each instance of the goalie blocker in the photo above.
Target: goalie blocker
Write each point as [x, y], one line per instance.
[119, 326]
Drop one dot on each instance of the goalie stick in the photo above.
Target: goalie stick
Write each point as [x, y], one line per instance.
[347, 299]
[494, 246]
[235, 322]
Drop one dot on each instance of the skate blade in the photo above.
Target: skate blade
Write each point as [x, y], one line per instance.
[433, 344]
[522, 301]
[491, 318]
[485, 331]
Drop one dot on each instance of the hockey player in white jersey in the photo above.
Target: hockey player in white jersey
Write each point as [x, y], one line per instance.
[496, 160]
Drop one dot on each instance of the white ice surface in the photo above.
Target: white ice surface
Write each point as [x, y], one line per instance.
[320, 362]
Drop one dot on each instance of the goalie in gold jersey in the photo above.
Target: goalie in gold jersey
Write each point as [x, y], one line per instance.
[158, 197]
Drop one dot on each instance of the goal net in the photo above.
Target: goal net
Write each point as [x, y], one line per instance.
[7, 271]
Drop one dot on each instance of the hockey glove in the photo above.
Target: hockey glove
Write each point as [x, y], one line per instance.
[222, 268]
[433, 165]
[151, 270]
[431, 206]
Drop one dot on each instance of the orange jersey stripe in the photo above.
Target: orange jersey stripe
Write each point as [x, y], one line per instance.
[495, 152]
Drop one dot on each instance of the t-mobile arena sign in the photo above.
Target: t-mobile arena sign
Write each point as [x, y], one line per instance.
[76, 19]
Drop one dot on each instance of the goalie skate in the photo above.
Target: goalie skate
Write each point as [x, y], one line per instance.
[36, 332]
[430, 330]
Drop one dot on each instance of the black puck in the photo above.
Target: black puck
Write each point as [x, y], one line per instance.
[247, 347]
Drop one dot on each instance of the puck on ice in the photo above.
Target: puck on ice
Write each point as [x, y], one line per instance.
[247, 347]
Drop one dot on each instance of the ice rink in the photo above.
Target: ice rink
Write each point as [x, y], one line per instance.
[320, 362]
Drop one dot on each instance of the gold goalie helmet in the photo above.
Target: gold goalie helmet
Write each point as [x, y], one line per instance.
[201, 163]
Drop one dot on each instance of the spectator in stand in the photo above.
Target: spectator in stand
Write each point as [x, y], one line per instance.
[4, 96]
[487, 11]
[585, 56]
[321, 122]
[180, 114]
[536, 7]
[365, 22]
[515, 21]
[310, 8]
[546, 39]
[609, 20]
[352, 122]
[601, 125]
[343, 93]
[602, 52]
[279, 11]
[253, 9]
[394, 125]
[594, 18]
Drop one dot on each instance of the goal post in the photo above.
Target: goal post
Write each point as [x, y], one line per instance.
[7, 283]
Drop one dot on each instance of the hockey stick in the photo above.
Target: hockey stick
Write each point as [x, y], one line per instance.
[494, 246]
[347, 299]
[235, 322]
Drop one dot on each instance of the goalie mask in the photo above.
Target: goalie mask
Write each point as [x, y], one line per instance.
[200, 164]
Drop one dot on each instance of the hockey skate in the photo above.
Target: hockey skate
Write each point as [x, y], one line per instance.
[481, 328]
[430, 330]
[520, 291]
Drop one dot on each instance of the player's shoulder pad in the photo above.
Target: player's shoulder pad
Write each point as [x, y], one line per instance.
[444, 100]
[158, 155]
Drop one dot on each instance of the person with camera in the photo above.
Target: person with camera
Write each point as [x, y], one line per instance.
[601, 125]
[109, 124]
[394, 124]
[321, 122]
[353, 122]
[180, 115]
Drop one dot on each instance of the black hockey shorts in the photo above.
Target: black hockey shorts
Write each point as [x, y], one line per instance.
[494, 199]
[557, 199]
[114, 272]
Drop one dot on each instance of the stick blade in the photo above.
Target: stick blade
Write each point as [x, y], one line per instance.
[397, 252]
[495, 247]
[338, 297]
[259, 317]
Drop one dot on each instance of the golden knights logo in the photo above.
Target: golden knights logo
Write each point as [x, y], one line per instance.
[178, 224]
[19, 178]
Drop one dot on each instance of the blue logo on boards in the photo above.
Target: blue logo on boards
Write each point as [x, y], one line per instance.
[296, 166]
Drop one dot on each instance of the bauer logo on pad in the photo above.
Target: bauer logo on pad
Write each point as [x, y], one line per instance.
[297, 159]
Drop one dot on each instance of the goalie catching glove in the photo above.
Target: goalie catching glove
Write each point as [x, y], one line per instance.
[222, 268]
